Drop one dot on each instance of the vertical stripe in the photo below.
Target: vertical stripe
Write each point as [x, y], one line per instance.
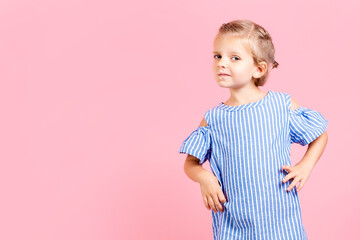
[241, 172]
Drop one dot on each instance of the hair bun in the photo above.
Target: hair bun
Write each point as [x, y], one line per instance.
[275, 64]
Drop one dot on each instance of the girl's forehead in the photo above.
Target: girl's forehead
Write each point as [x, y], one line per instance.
[230, 44]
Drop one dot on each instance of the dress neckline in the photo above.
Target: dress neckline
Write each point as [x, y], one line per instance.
[222, 105]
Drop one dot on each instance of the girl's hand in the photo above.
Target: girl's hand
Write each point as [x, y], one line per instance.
[300, 172]
[211, 191]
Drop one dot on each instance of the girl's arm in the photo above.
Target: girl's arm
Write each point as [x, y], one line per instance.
[192, 168]
[213, 197]
[301, 171]
[315, 150]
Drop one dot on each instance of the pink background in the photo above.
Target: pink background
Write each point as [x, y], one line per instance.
[97, 96]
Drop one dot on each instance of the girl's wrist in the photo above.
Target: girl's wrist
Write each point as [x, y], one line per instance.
[203, 176]
[307, 164]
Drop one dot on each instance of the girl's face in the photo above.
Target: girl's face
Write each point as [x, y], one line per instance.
[233, 65]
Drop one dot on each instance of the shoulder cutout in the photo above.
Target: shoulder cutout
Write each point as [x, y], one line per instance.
[203, 123]
[294, 104]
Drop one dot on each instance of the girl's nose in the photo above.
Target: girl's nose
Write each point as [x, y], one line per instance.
[222, 63]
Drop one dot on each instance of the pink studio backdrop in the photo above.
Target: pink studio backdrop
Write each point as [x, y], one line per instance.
[97, 96]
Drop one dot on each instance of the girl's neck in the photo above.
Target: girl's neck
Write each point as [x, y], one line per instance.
[245, 95]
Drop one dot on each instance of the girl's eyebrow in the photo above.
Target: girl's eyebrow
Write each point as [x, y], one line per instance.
[230, 52]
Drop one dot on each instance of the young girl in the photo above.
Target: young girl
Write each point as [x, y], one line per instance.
[247, 140]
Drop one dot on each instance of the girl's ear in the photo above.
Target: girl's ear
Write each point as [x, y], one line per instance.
[261, 70]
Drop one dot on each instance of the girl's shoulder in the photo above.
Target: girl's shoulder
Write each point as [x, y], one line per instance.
[283, 96]
[209, 115]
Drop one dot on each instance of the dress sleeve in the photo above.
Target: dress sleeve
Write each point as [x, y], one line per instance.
[306, 125]
[198, 144]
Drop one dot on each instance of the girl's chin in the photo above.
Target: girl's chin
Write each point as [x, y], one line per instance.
[222, 84]
[221, 79]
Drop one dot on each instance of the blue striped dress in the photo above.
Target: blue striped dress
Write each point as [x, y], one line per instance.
[247, 145]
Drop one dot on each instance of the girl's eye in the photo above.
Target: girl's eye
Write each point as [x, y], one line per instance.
[218, 56]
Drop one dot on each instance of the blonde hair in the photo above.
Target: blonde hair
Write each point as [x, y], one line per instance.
[259, 43]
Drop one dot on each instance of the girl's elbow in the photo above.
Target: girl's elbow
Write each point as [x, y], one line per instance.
[325, 135]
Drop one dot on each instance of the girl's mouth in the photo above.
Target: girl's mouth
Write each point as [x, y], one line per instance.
[223, 74]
